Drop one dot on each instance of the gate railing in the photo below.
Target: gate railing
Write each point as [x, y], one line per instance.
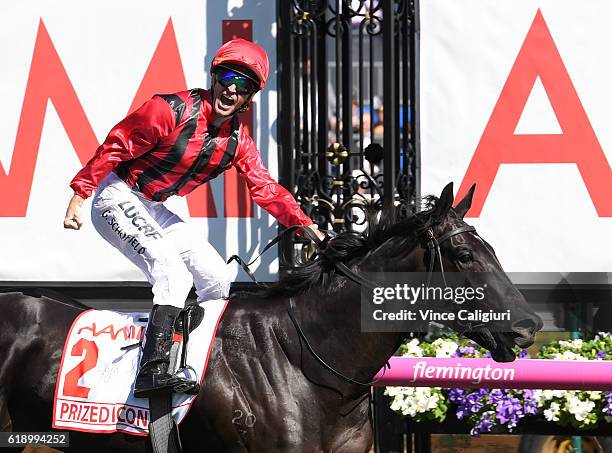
[347, 109]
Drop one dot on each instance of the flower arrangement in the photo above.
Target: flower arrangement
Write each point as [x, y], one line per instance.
[500, 410]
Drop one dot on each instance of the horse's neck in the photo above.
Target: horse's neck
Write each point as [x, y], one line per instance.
[332, 324]
[331, 320]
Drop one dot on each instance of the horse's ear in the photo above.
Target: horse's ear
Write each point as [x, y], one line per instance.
[444, 202]
[464, 205]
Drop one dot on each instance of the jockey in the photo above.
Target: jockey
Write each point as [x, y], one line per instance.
[169, 146]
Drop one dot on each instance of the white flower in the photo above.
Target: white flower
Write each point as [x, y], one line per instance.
[414, 350]
[396, 404]
[569, 394]
[578, 408]
[571, 344]
[414, 400]
[396, 391]
[542, 396]
[537, 394]
[594, 395]
[552, 414]
[444, 348]
[568, 355]
[438, 341]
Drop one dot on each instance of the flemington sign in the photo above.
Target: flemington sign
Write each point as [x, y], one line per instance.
[486, 373]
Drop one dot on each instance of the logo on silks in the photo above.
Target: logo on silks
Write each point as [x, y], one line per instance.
[138, 221]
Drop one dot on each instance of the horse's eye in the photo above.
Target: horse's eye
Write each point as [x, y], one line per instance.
[465, 257]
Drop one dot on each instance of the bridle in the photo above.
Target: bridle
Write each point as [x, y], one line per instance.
[432, 244]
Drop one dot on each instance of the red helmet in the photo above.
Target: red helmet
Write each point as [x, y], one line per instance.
[246, 54]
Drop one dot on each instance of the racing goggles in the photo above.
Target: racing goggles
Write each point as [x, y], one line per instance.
[244, 85]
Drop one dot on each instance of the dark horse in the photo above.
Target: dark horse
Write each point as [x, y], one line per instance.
[264, 391]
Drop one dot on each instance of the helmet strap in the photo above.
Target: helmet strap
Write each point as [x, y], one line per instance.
[246, 104]
[245, 107]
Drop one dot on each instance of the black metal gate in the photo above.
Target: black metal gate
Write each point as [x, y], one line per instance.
[342, 63]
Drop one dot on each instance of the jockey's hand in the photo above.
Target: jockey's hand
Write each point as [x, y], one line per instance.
[73, 219]
[316, 231]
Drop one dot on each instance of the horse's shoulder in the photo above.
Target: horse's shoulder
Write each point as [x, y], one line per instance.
[248, 319]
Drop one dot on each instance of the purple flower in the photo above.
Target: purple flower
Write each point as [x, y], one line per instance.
[465, 350]
[473, 402]
[608, 407]
[531, 406]
[483, 392]
[523, 354]
[484, 425]
[509, 411]
[467, 403]
[460, 413]
[601, 355]
[496, 395]
[456, 395]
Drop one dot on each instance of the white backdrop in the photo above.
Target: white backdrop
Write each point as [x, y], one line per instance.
[105, 48]
[538, 216]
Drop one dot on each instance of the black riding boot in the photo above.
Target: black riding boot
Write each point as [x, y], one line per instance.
[155, 360]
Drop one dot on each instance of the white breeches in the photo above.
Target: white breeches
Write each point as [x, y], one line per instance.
[172, 253]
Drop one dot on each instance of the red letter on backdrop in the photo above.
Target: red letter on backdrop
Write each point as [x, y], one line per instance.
[578, 144]
[48, 80]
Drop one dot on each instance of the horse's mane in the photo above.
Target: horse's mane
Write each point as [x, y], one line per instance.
[349, 247]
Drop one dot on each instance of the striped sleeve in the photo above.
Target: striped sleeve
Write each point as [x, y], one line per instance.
[136, 134]
[266, 192]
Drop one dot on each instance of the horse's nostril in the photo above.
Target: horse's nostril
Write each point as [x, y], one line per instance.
[527, 326]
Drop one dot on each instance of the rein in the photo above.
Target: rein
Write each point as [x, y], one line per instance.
[302, 336]
[433, 245]
[320, 244]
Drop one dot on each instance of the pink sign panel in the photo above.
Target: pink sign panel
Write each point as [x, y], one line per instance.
[477, 373]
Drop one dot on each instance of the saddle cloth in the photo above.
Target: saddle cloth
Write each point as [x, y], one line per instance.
[95, 383]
